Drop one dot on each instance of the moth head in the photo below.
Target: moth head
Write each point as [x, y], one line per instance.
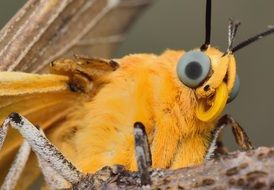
[211, 73]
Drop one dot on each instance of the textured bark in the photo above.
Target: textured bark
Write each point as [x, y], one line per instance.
[44, 30]
[237, 170]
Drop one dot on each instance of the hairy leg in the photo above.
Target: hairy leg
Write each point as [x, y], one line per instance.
[42, 147]
[17, 166]
[53, 179]
[142, 152]
[239, 134]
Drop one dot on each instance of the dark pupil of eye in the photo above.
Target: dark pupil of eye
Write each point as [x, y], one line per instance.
[193, 70]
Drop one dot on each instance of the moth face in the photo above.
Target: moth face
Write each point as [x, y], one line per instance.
[212, 76]
[223, 70]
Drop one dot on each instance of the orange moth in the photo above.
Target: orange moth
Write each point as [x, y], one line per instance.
[87, 106]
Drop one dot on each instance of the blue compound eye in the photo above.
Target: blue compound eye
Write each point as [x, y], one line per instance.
[193, 68]
[235, 90]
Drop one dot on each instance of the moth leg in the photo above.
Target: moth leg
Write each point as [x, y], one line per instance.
[142, 152]
[17, 166]
[220, 148]
[3, 133]
[52, 178]
[240, 135]
[83, 72]
[42, 147]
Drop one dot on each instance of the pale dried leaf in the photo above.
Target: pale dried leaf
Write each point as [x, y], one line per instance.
[43, 31]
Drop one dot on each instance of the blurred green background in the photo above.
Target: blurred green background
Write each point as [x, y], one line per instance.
[179, 24]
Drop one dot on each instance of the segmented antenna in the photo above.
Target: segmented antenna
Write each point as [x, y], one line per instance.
[207, 26]
[232, 31]
[253, 39]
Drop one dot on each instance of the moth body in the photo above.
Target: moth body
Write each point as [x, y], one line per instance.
[95, 111]
[145, 88]
[87, 108]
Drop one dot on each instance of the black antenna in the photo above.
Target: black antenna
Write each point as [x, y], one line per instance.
[207, 26]
[253, 39]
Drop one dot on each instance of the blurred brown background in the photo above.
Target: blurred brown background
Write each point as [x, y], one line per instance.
[179, 24]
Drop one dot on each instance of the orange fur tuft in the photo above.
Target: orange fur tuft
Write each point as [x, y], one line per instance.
[145, 88]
